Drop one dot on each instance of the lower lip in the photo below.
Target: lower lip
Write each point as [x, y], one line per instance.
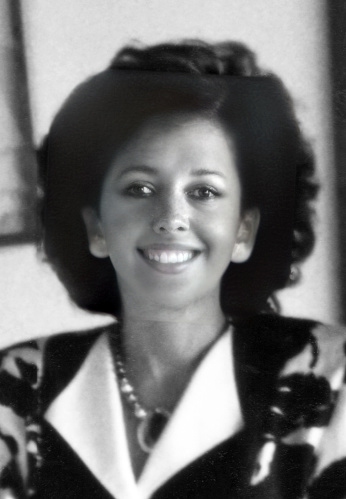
[168, 268]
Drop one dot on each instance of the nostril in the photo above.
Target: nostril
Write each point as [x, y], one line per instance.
[170, 225]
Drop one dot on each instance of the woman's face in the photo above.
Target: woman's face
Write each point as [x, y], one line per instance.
[170, 213]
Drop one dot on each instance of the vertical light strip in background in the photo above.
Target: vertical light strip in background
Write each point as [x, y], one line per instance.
[18, 167]
[318, 295]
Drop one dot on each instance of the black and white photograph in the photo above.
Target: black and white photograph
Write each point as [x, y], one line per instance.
[172, 264]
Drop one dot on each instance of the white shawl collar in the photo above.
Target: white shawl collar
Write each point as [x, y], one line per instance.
[88, 415]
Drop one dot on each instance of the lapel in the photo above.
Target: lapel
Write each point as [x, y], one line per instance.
[87, 413]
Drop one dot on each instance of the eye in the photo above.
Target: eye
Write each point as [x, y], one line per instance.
[203, 193]
[139, 190]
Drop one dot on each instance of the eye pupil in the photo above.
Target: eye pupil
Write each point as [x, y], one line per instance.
[206, 192]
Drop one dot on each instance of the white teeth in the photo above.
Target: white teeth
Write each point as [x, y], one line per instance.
[168, 256]
[172, 258]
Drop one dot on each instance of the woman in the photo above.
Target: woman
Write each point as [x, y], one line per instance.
[177, 189]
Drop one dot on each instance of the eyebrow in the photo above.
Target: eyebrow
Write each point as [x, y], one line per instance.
[202, 171]
[138, 169]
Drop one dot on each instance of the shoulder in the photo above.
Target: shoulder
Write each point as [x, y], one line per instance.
[284, 345]
[29, 363]
[16, 359]
[276, 331]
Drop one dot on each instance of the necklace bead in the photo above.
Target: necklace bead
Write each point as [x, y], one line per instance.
[140, 413]
[125, 386]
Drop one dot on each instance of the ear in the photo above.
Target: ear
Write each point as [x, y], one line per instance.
[246, 236]
[97, 242]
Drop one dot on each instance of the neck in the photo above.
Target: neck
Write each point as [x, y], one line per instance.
[162, 351]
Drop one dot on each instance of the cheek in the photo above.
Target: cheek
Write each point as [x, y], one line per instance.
[118, 219]
[118, 232]
[222, 237]
[223, 228]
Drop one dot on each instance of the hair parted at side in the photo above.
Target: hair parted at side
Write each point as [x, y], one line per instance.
[274, 162]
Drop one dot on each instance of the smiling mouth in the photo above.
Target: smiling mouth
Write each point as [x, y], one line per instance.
[168, 258]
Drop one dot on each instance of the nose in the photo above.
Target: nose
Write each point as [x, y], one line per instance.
[171, 217]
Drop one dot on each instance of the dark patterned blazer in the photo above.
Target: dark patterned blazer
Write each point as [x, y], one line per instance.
[290, 377]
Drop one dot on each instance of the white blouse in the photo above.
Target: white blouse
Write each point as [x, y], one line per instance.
[88, 414]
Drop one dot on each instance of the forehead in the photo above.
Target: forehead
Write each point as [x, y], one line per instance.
[182, 138]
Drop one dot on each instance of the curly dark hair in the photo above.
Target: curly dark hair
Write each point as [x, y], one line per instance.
[275, 163]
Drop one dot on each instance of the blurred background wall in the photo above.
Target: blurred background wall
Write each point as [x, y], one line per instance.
[58, 44]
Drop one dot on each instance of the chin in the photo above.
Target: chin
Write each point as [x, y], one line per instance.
[180, 300]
